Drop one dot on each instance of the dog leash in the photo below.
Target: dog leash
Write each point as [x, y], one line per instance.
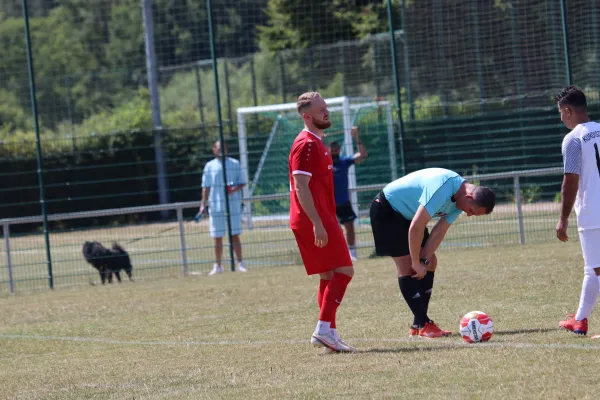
[195, 218]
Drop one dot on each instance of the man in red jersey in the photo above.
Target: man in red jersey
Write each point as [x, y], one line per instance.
[313, 220]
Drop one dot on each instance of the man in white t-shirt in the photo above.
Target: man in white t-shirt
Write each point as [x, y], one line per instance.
[581, 190]
[213, 203]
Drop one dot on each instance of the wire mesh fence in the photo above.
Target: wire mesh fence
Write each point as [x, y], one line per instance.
[128, 115]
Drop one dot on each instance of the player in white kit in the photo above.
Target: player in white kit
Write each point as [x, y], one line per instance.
[581, 190]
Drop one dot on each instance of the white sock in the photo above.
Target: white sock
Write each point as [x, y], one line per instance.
[589, 294]
[323, 327]
[334, 333]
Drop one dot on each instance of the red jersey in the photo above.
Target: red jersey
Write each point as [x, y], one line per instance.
[309, 156]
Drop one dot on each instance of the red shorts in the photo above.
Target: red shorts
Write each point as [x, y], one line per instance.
[318, 260]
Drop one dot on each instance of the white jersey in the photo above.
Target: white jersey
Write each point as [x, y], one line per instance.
[581, 155]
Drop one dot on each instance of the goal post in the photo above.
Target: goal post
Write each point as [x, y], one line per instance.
[266, 165]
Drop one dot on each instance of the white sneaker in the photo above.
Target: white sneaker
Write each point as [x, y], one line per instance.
[242, 268]
[353, 254]
[346, 346]
[329, 341]
[217, 269]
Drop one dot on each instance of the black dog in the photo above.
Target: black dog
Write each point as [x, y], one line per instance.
[107, 261]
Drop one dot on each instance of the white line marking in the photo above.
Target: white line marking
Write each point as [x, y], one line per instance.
[441, 343]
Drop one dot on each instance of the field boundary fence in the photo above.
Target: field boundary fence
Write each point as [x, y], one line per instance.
[519, 228]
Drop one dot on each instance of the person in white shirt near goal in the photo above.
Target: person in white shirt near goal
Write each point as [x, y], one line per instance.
[581, 190]
[213, 204]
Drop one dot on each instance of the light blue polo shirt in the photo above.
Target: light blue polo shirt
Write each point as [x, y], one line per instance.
[212, 177]
[432, 188]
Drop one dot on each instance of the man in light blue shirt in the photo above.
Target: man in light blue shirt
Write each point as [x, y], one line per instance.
[399, 217]
[213, 203]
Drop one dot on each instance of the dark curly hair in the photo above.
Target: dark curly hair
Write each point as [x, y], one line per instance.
[571, 96]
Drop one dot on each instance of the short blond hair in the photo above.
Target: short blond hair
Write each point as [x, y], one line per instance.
[305, 100]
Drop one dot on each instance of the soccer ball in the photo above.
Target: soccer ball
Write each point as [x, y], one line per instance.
[476, 327]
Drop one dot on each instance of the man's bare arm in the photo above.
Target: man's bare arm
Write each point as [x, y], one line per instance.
[305, 197]
[435, 238]
[568, 193]
[362, 150]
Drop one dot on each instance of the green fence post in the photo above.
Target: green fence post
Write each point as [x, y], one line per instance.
[396, 85]
[475, 10]
[407, 81]
[70, 113]
[313, 76]
[38, 144]
[254, 90]
[152, 76]
[376, 71]
[519, 74]
[441, 67]
[220, 127]
[282, 77]
[343, 68]
[228, 94]
[253, 76]
[594, 26]
[565, 32]
[555, 45]
[200, 100]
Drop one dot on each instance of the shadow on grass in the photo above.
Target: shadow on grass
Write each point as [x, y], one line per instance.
[454, 345]
[413, 349]
[525, 331]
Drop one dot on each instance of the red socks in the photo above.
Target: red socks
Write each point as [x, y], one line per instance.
[321, 295]
[330, 296]
[322, 286]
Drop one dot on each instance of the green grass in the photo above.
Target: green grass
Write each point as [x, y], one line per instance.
[246, 335]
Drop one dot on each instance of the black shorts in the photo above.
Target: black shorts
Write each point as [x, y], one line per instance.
[390, 229]
[345, 213]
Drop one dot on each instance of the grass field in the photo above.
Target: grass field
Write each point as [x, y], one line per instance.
[246, 335]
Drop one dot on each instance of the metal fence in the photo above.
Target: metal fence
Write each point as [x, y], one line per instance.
[181, 247]
[117, 104]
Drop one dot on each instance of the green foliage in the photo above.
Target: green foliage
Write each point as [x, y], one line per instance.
[12, 115]
[301, 23]
[133, 115]
[531, 194]
[557, 198]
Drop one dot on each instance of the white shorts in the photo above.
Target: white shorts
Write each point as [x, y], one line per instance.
[590, 244]
[217, 224]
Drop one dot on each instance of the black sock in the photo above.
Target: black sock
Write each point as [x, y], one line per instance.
[409, 287]
[425, 291]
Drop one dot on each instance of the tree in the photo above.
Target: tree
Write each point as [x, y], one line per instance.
[301, 23]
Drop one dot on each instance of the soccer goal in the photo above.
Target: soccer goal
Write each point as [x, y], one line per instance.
[266, 134]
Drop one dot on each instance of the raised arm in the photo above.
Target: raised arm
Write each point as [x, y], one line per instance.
[362, 150]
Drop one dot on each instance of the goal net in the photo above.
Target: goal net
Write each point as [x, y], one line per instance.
[266, 134]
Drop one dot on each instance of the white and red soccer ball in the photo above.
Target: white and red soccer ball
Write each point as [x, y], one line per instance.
[476, 327]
